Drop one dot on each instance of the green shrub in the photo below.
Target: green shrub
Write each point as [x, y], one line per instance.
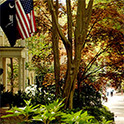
[25, 114]
[6, 98]
[100, 113]
[87, 96]
[52, 113]
[49, 113]
[77, 118]
[42, 95]
[43, 113]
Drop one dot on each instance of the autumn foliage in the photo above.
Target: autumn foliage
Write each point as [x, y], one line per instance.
[101, 52]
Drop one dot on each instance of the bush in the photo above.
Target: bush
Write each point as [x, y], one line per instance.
[6, 98]
[100, 113]
[18, 99]
[42, 113]
[52, 113]
[42, 95]
[78, 118]
[49, 111]
[87, 96]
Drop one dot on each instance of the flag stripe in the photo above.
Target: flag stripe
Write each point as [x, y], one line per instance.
[22, 26]
[29, 18]
[22, 19]
[33, 22]
[20, 30]
[25, 22]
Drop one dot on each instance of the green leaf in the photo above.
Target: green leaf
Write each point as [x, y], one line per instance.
[6, 116]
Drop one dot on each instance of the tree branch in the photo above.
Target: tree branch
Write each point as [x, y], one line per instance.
[78, 21]
[83, 20]
[100, 68]
[69, 16]
[94, 23]
[96, 70]
[46, 15]
[89, 12]
[93, 60]
[52, 11]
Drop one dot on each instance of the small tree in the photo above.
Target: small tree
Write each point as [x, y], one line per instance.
[76, 38]
[102, 40]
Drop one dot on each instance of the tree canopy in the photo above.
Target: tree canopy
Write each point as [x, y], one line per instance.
[90, 36]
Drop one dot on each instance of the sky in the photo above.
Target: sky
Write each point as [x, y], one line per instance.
[62, 1]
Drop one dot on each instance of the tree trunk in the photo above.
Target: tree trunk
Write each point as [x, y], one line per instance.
[71, 78]
[82, 22]
[55, 46]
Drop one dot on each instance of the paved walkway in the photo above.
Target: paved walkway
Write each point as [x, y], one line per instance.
[116, 105]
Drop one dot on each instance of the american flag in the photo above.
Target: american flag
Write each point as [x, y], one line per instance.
[25, 18]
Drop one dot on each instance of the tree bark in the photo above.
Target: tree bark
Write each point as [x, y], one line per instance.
[55, 47]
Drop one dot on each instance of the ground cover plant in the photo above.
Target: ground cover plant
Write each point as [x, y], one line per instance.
[51, 113]
[89, 101]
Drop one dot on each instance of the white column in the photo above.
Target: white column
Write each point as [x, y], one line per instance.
[30, 77]
[1, 38]
[1, 62]
[23, 73]
[1, 76]
[20, 73]
[27, 72]
[4, 63]
[33, 77]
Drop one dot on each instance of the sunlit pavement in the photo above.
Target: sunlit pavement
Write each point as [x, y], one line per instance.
[116, 105]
